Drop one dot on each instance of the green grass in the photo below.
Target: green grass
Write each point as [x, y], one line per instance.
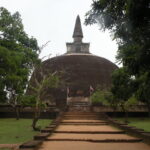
[5, 148]
[142, 123]
[18, 131]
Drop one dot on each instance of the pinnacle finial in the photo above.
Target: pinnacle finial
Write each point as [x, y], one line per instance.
[78, 29]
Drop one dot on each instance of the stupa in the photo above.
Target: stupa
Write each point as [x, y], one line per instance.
[82, 71]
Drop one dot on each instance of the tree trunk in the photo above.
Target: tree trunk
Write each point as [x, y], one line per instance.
[114, 112]
[17, 112]
[35, 119]
[148, 106]
[126, 117]
[125, 114]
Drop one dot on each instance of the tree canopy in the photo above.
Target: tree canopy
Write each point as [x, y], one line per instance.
[18, 54]
[129, 23]
[122, 84]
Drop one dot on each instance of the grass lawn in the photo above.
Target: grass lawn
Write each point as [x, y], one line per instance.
[18, 131]
[5, 149]
[143, 123]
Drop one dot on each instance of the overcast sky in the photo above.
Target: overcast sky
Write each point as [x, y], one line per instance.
[54, 20]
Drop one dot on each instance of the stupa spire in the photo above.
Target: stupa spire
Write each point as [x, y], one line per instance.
[78, 34]
[77, 46]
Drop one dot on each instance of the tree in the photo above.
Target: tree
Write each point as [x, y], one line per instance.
[128, 104]
[18, 54]
[98, 97]
[143, 92]
[40, 88]
[121, 84]
[123, 87]
[105, 98]
[128, 21]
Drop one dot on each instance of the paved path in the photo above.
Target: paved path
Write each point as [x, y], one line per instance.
[78, 131]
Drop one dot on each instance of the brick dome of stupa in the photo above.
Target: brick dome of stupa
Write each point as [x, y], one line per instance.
[81, 69]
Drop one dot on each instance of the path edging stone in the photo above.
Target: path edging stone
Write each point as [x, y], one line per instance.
[131, 130]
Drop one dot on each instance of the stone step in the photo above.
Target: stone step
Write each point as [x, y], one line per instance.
[82, 121]
[91, 132]
[83, 113]
[83, 116]
[92, 136]
[41, 136]
[90, 116]
[31, 144]
[80, 109]
[88, 124]
[67, 145]
[47, 130]
[79, 105]
[78, 102]
[100, 141]
[73, 103]
[80, 117]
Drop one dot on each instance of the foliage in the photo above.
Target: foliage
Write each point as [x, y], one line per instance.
[143, 92]
[123, 87]
[122, 84]
[41, 87]
[28, 100]
[105, 98]
[18, 131]
[130, 102]
[128, 21]
[98, 97]
[18, 54]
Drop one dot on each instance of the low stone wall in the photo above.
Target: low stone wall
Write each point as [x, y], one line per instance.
[28, 115]
[130, 114]
[7, 111]
[135, 108]
[135, 111]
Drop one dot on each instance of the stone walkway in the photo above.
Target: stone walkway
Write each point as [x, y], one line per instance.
[88, 131]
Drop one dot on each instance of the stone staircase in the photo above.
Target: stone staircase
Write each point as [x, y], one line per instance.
[83, 116]
[87, 130]
[79, 104]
